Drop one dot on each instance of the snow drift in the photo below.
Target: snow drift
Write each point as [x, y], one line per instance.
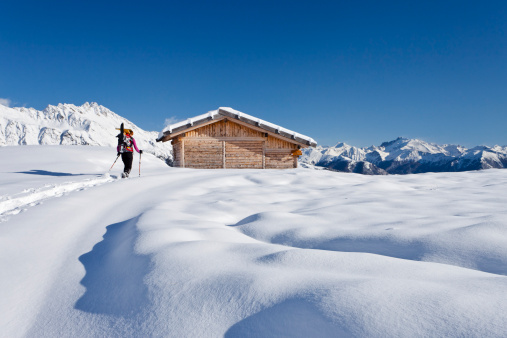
[244, 253]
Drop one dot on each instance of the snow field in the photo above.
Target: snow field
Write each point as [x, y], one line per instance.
[246, 253]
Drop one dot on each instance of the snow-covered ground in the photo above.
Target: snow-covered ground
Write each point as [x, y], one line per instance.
[246, 253]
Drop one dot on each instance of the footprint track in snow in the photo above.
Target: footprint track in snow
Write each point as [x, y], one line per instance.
[13, 205]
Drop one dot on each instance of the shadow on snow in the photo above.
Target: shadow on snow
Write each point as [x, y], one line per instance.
[386, 246]
[114, 273]
[290, 318]
[46, 173]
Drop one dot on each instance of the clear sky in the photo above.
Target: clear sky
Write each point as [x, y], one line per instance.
[360, 72]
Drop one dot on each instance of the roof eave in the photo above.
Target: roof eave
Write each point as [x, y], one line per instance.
[168, 135]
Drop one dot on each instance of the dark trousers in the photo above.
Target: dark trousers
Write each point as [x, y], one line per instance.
[127, 159]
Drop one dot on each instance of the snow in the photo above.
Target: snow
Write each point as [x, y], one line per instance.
[242, 253]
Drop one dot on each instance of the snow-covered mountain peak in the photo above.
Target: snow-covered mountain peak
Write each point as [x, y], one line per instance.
[343, 149]
[88, 124]
[454, 150]
[412, 145]
[86, 109]
[342, 145]
[394, 142]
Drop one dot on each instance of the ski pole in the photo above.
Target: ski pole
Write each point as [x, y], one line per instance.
[140, 164]
[114, 162]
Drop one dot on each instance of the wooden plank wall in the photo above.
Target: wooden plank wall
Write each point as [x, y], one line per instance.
[279, 161]
[203, 154]
[243, 154]
[223, 129]
[279, 154]
[237, 130]
[231, 145]
[276, 143]
[211, 130]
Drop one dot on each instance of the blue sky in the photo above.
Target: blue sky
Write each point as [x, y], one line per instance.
[360, 72]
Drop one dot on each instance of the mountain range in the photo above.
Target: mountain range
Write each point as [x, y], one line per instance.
[404, 156]
[68, 124]
[93, 124]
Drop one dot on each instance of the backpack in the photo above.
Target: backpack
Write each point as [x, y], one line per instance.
[126, 145]
[124, 142]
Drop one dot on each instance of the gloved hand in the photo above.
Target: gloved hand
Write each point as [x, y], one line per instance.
[118, 154]
[140, 151]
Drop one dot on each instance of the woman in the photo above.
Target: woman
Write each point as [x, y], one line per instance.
[126, 149]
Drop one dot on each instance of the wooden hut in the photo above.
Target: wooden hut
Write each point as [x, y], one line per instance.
[228, 139]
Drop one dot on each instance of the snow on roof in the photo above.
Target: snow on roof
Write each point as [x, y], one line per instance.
[214, 113]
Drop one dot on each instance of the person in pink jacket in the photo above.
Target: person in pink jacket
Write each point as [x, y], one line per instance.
[126, 149]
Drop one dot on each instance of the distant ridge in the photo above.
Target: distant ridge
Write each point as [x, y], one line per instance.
[405, 156]
[68, 124]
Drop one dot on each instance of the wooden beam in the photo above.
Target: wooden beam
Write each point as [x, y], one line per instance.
[223, 153]
[183, 153]
[264, 155]
[280, 150]
[201, 138]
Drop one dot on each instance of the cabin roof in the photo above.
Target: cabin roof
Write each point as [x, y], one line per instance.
[224, 112]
